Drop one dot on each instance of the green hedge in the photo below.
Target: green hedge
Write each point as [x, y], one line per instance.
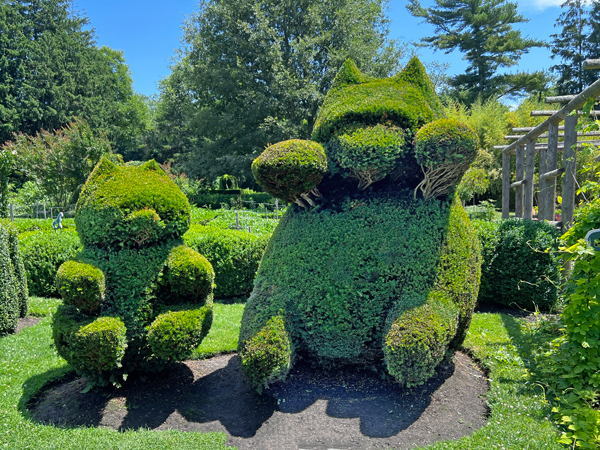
[521, 265]
[234, 255]
[43, 252]
[215, 201]
[13, 282]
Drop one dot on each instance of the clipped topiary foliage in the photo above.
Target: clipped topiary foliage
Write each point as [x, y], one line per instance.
[291, 169]
[369, 274]
[135, 298]
[13, 282]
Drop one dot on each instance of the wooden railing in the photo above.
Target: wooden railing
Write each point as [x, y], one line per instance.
[525, 148]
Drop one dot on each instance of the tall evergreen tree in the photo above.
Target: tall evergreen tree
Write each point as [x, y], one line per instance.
[569, 46]
[255, 72]
[482, 30]
[51, 72]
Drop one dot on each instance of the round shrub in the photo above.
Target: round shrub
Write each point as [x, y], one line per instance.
[43, 252]
[265, 358]
[290, 168]
[119, 205]
[368, 154]
[188, 277]
[445, 141]
[521, 264]
[81, 285]
[235, 256]
[93, 346]
[174, 335]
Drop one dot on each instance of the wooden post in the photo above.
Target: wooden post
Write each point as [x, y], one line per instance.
[12, 213]
[551, 158]
[506, 185]
[266, 213]
[529, 168]
[237, 220]
[277, 208]
[45, 216]
[37, 210]
[542, 186]
[569, 162]
[519, 176]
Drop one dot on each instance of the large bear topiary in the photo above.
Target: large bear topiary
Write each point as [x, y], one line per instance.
[375, 263]
[135, 297]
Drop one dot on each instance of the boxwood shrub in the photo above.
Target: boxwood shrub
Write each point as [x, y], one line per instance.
[43, 252]
[235, 256]
[13, 282]
[521, 265]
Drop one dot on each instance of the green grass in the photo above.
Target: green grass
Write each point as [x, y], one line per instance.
[226, 219]
[519, 414]
[223, 335]
[41, 307]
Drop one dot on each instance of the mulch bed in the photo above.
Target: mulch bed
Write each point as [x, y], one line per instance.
[342, 409]
[26, 322]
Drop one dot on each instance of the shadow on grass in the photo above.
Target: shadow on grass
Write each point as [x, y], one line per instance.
[192, 395]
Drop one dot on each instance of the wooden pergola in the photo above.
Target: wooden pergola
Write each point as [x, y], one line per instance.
[525, 148]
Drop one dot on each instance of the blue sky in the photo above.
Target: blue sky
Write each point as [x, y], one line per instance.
[148, 33]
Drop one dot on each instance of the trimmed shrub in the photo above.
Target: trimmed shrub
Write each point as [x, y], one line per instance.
[174, 335]
[130, 271]
[235, 256]
[81, 285]
[265, 358]
[290, 168]
[368, 154]
[521, 265]
[188, 277]
[13, 282]
[93, 346]
[118, 205]
[43, 252]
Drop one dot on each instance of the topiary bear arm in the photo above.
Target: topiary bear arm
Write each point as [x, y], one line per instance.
[291, 170]
[81, 285]
[444, 149]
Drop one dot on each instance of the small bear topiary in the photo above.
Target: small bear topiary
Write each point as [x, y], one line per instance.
[135, 297]
[13, 281]
[377, 269]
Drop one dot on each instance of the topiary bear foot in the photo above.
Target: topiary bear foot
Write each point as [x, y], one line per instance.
[267, 356]
[417, 339]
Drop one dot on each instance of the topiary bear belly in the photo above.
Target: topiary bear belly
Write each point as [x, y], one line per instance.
[337, 272]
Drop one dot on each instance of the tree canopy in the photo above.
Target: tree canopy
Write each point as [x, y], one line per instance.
[254, 73]
[51, 71]
[483, 31]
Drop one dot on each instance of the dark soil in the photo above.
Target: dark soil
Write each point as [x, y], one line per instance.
[26, 322]
[313, 409]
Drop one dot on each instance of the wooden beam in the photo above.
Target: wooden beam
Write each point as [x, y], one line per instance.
[517, 184]
[569, 163]
[552, 174]
[543, 146]
[520, 170]
[528, 129]
[591, 64]
[545, 136]
[544, 113]
[551, 161]
[562, 99]
[591, 91]
[529, 168]
[505, 186]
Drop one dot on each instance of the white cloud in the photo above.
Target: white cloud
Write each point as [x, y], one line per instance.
[541, 4]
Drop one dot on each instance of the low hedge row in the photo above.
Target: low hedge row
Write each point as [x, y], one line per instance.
[235, 256]
[215, 201]
[43, 252]
[521, 265]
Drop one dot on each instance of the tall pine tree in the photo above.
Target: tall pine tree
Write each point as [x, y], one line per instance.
[482, 30]
[569, 46]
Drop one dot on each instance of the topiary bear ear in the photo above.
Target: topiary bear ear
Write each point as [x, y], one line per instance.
[104, 166]
[347, 75]
[152, 166]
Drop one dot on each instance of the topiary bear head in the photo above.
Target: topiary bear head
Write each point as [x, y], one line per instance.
[389, 131]
[122, 205]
